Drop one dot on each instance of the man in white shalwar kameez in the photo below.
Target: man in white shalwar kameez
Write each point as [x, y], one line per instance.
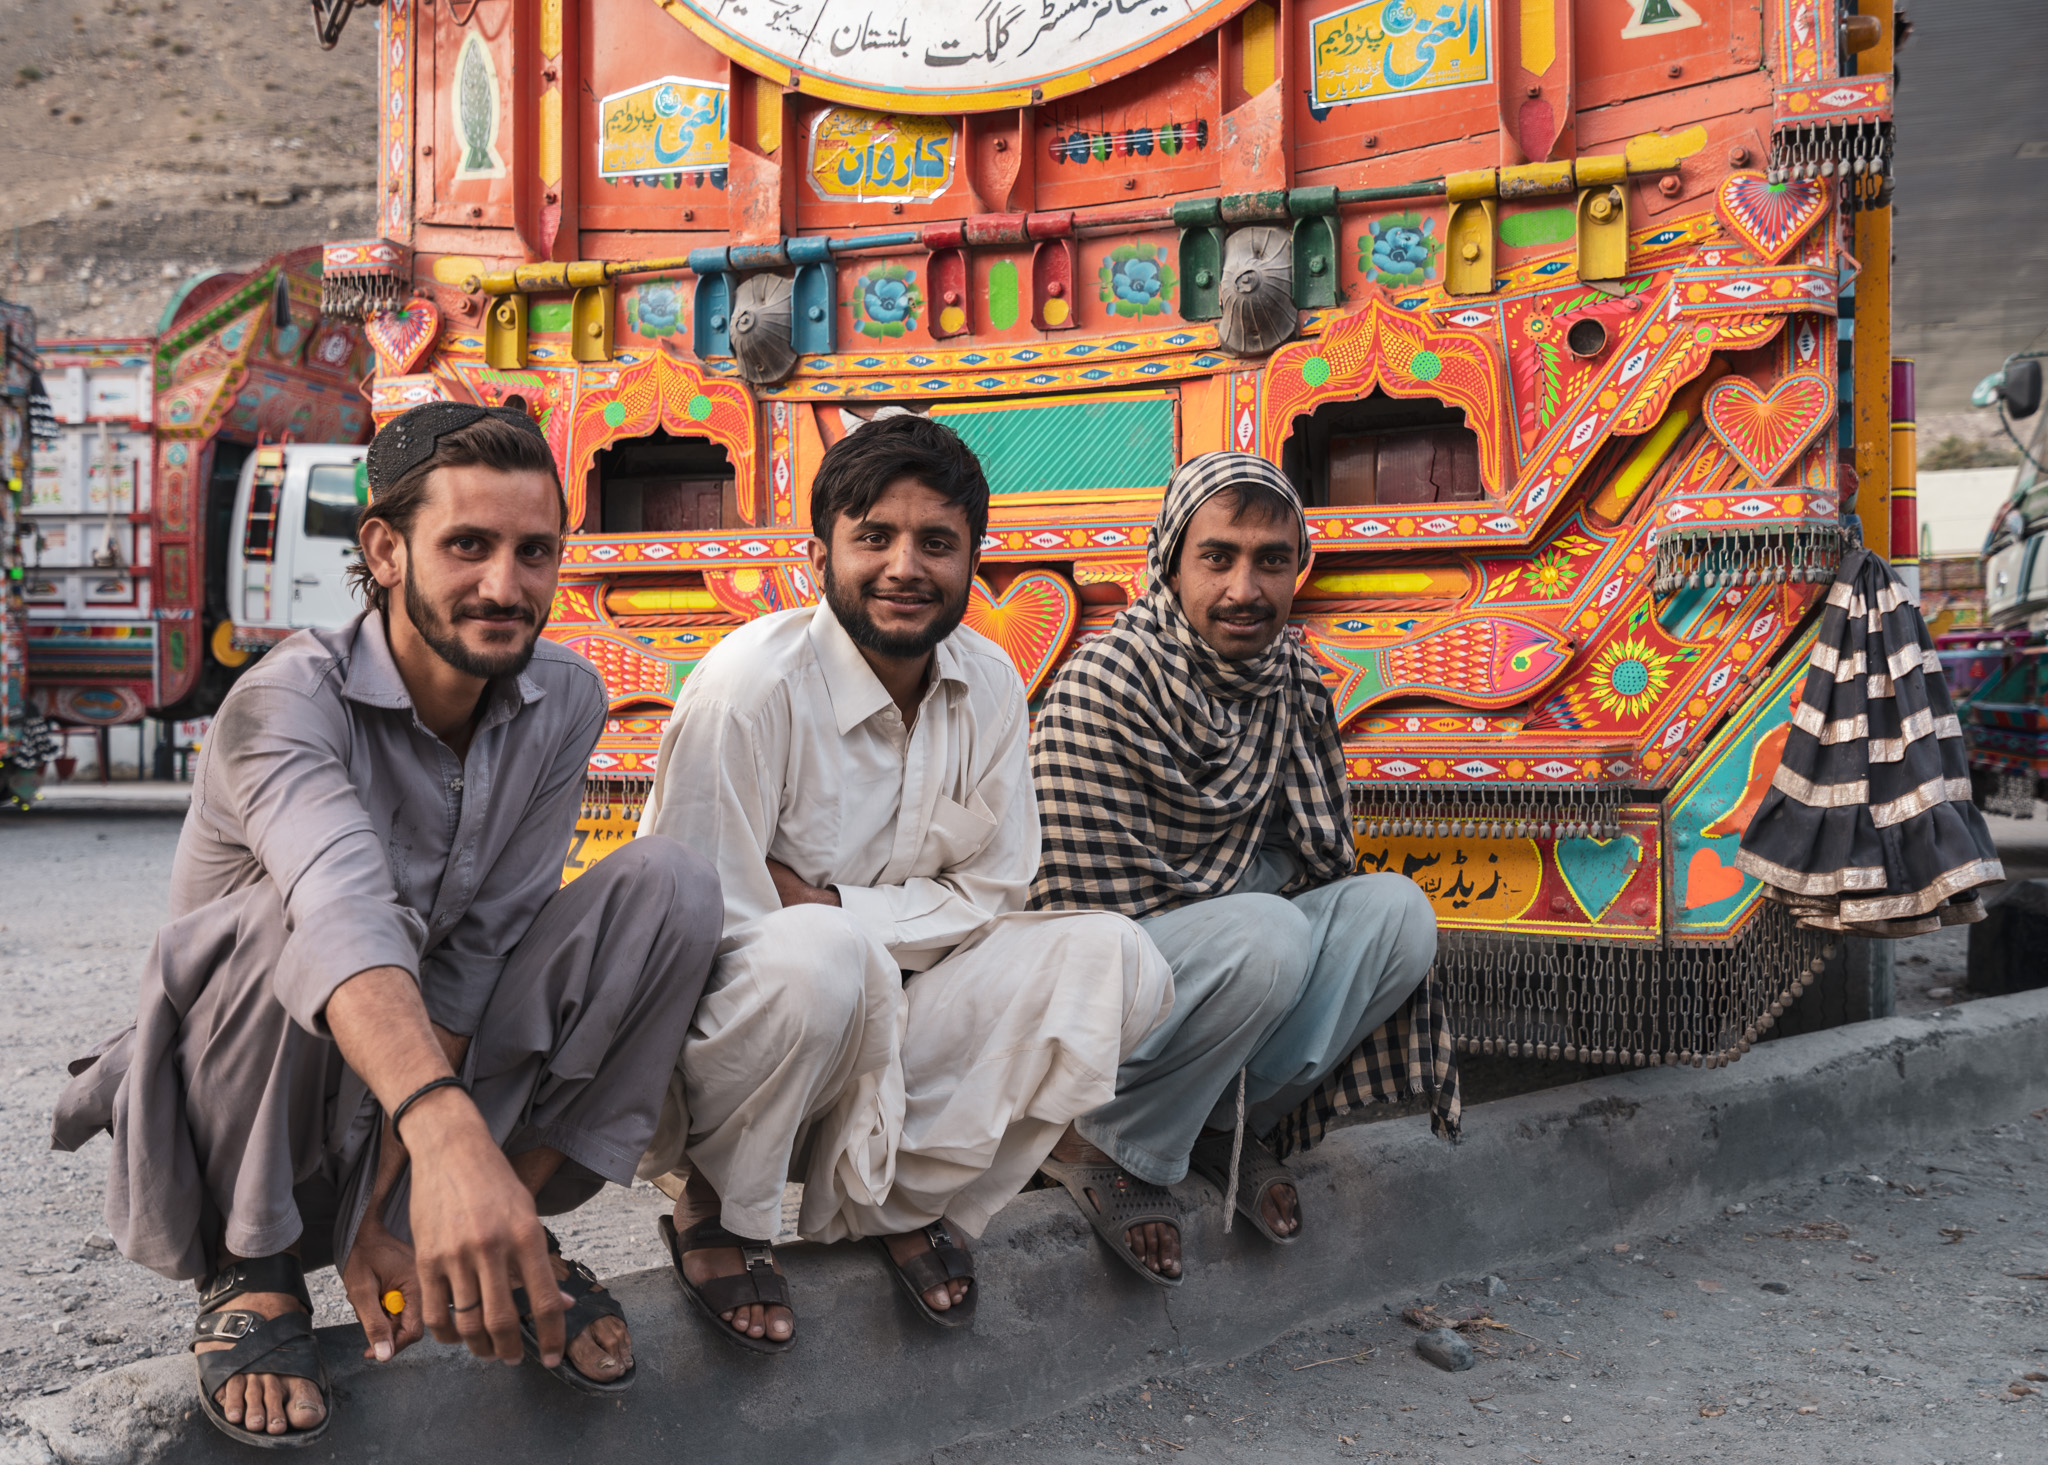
[886, 1023]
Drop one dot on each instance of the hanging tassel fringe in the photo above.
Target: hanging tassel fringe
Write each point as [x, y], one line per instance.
[1714, 555]
[1486, 810]
[1679, 1002]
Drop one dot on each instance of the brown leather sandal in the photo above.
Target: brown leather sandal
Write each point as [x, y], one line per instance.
[947, 1261]
[760, 1282]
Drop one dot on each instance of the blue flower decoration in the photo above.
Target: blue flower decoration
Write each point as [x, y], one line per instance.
[1136, 280]
[657, 310]
[886, 300]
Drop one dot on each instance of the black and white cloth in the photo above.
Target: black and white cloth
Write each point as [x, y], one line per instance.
[1868, 825]
[1163, 769]
[1157, 760]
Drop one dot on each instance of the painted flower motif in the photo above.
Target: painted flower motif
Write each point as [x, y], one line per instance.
[1135, 279]
[886, 301]
[1536, 327]
[1551, 573]
[1400, 250]
[655, 309]
[1629, 676]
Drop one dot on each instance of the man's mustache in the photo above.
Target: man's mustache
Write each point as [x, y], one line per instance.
[491, 610]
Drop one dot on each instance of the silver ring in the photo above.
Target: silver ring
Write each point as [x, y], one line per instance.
[471, 1308]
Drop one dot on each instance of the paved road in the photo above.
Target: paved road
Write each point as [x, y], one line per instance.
[1901, 1340]
[1868, 1317]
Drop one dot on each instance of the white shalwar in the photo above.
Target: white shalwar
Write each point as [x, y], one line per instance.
[915, 1051]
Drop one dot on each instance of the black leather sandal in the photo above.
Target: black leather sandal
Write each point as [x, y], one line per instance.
[1121, 1201]
[284, 1346]
[590, 1302]
[760, 1282]
[1258, 1171]
[947, 1261]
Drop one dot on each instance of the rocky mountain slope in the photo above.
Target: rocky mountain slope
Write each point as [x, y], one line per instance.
[144, 142]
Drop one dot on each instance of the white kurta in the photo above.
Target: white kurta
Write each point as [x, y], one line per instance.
[916, 1051]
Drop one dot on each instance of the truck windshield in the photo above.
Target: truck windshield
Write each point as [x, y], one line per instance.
[331, 502]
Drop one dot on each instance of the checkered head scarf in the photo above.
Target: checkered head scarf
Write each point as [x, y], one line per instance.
[1162, 766]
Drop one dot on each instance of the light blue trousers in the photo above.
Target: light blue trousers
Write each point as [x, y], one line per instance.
[1285, 987]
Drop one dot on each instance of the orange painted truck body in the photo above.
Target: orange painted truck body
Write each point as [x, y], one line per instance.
[1536, 300]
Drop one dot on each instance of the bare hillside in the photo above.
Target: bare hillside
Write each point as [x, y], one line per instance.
[146, 141]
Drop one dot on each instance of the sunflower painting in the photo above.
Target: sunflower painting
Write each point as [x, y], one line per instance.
[1629, 676]
[1552, 573]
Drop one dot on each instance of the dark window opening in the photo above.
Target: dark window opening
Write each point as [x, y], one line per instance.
[664, 485]
[221, 484]
[331, 502]
[1384, 450]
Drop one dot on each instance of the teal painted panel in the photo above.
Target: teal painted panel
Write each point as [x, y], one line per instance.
[1072, 446]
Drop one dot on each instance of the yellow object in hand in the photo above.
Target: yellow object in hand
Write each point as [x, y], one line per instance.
[394, 1302]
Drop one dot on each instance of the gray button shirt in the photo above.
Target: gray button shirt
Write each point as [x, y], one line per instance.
[388, 850]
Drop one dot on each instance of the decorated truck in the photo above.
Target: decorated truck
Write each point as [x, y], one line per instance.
[134, 545]
[21, 742]
[1542, 304]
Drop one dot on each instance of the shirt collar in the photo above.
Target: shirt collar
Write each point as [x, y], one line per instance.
[857, 693]
[373, 676]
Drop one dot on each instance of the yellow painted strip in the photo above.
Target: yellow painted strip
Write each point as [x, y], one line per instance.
[551, 136]
[1539, 35]
[551, 28]
[767, 115]
[1613, 500]
[1344, 584]
[453, 269]
[651, 602]
[1260, 62]
[1653, 151]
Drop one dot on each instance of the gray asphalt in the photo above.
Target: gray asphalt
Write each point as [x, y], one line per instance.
[1900, 1336]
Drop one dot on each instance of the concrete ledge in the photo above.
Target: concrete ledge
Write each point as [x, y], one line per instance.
[1391, 1211]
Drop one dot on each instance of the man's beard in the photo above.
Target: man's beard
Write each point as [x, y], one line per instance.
[439, 633]
[869, 636]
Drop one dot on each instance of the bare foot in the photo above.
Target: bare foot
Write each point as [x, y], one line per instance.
[757, 1320]
[1157, 1243]
[266, 1403]
[946, 1294]
[604, 1350]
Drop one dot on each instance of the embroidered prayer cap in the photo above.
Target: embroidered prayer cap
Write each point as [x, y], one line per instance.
[1197, 481]
[412, 437]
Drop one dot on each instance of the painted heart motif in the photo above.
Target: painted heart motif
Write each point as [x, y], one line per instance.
[1032, 621]
[1596, 871]
[1770, 217]
[1708, 881]
[1765, 433]
[402, 337]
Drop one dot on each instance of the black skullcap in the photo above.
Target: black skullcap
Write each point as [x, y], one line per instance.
[413, 436]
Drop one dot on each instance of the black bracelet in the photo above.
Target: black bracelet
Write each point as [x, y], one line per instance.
[446, 1081]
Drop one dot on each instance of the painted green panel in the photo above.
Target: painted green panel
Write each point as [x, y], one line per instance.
[1002, 295]
[1538, 226]
[1071, 445]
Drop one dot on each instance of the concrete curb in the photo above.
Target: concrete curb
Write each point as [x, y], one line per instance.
[1392, 1211]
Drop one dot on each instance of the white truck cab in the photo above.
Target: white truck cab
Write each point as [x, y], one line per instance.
[293, 539]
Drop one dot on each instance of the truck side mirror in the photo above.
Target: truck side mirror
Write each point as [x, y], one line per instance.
[2021, 388]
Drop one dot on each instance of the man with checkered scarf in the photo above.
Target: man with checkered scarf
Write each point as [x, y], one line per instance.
[1189, 775]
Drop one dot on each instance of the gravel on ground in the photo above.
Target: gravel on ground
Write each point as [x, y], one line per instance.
[1883, 1314]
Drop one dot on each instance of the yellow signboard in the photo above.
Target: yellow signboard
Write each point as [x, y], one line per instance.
[1389, 48]
[1469, 882]
[857, 156]
[671, 125]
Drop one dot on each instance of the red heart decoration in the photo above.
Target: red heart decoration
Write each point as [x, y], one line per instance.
[1765, 433]
[402, 337]
[1707, 880]
[1033, 621]
[1770, 217]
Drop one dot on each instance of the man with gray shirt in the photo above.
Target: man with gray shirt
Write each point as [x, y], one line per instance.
[377, 1031]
